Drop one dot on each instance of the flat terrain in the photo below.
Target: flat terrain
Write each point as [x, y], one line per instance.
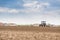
[29, 33]
[36, 29]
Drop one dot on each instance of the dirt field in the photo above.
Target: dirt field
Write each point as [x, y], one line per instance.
[29, 33]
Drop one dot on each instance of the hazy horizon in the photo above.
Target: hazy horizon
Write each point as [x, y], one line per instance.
[30, 11]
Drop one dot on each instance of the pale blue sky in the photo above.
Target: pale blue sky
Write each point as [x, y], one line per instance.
[30, 11]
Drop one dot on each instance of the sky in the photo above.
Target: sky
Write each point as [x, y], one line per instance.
[30, 11]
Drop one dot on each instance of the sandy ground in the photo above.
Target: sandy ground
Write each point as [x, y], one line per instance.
[28, 35]
[23, 33]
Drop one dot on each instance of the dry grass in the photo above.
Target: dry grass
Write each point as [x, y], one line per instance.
[29, 33]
